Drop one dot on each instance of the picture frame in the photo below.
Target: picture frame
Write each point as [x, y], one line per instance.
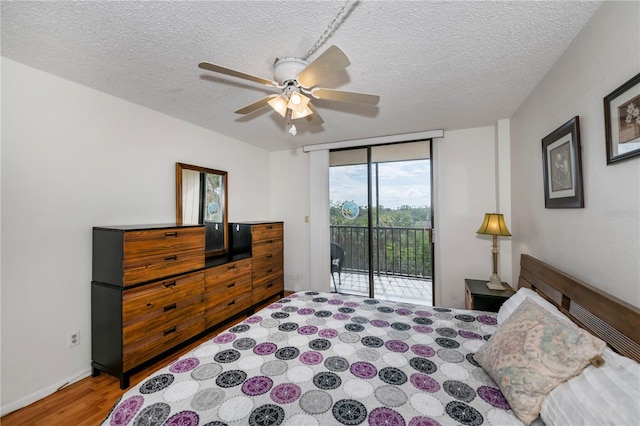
[562, 167]
[622, 121]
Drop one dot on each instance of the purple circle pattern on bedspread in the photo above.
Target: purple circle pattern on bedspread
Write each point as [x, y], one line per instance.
[322, 358]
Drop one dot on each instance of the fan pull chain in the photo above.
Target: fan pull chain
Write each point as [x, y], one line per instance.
[326, 33]
[292, 127]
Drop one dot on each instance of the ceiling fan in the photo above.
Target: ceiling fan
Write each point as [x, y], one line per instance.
[297, 78]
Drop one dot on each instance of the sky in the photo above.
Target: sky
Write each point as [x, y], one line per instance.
[401, 183]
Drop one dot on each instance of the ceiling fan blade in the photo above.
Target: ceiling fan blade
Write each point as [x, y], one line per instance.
[342, 96]
[331, 60]
[314, 119]
[239, 74]
[256, 105]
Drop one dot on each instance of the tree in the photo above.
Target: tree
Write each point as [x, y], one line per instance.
[401, 235]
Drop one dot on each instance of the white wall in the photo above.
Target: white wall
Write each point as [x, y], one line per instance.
[73, 158]
[290, 202]
[599, 244]
[465, 181]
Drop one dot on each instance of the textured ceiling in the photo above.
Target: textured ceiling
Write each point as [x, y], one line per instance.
[436, 65]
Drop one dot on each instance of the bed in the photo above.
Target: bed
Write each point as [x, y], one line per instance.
[316, 358]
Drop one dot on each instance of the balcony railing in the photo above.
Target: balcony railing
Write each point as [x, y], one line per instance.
[396, 251]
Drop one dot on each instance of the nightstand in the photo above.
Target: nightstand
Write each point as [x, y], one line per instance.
[479, 298]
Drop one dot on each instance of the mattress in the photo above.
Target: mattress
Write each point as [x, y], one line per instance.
[328, 359]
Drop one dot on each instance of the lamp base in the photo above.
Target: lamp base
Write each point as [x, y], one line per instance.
[495, 283]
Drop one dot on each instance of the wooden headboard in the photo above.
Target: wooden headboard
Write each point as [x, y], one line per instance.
[613, 320]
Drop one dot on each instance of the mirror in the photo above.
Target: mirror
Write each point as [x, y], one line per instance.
[201, 198]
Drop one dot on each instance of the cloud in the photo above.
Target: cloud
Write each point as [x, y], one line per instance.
[400, 183]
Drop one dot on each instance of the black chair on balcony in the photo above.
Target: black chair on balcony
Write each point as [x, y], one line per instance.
[338, 256]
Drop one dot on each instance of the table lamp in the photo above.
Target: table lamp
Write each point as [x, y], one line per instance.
[494, 225]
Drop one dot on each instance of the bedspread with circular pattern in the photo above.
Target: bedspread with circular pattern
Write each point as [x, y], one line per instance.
[328, 359]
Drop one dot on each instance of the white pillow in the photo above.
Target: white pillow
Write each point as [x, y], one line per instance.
[609, 395]
[514, 301]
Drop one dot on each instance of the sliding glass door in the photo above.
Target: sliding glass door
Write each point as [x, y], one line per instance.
[380, 218]
[349, 184]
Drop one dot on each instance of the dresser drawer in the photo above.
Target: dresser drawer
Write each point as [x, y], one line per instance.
[157, 299]
[159, 341]
[267, 231]
[176, 314]
[268, 288]
[167, 241]
[227, 290]
[227, 273]
[267, 251]
[221, 310]
[149, 268]
[266, 247]
[266, 271]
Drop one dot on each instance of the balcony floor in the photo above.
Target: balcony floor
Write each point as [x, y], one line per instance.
[387, 287]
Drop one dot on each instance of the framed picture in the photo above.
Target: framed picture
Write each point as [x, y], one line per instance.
[622, 121]
[562, 167]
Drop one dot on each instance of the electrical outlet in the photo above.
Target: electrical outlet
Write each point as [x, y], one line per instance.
[73, 338]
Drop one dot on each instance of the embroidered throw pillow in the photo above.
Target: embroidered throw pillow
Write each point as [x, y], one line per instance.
[531, 353]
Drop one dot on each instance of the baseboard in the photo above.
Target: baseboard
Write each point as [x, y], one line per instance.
[36, 396]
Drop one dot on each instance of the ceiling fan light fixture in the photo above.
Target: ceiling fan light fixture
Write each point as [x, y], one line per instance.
[279, 104]
[298, 103]
[295, 98]
[306, 111]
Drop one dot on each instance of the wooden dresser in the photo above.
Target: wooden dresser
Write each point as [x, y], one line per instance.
[152, 289]
[267, 252]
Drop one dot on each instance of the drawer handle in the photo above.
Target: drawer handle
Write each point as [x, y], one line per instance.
[169, 285]
[149, 305]
[233, 302]
[269, 256]
[269, 270]
[168, 258]
[170, 234]
[231, 267]
[270, 285]
[269, 226]
[231, 285]
[270, 242]
[169, 307]
[169, 331]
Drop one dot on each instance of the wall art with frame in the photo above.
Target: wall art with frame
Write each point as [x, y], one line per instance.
[622, 121]
[562, 167]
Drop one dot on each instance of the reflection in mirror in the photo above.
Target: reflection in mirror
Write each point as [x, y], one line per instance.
[201, 197]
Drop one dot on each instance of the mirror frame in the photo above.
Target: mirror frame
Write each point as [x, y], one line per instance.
[225, 219]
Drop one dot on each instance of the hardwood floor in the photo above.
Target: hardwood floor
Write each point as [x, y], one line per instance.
[88, 401]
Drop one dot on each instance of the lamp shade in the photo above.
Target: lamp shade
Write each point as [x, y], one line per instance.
[493, 224]
[279, 104]
[298, 102]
